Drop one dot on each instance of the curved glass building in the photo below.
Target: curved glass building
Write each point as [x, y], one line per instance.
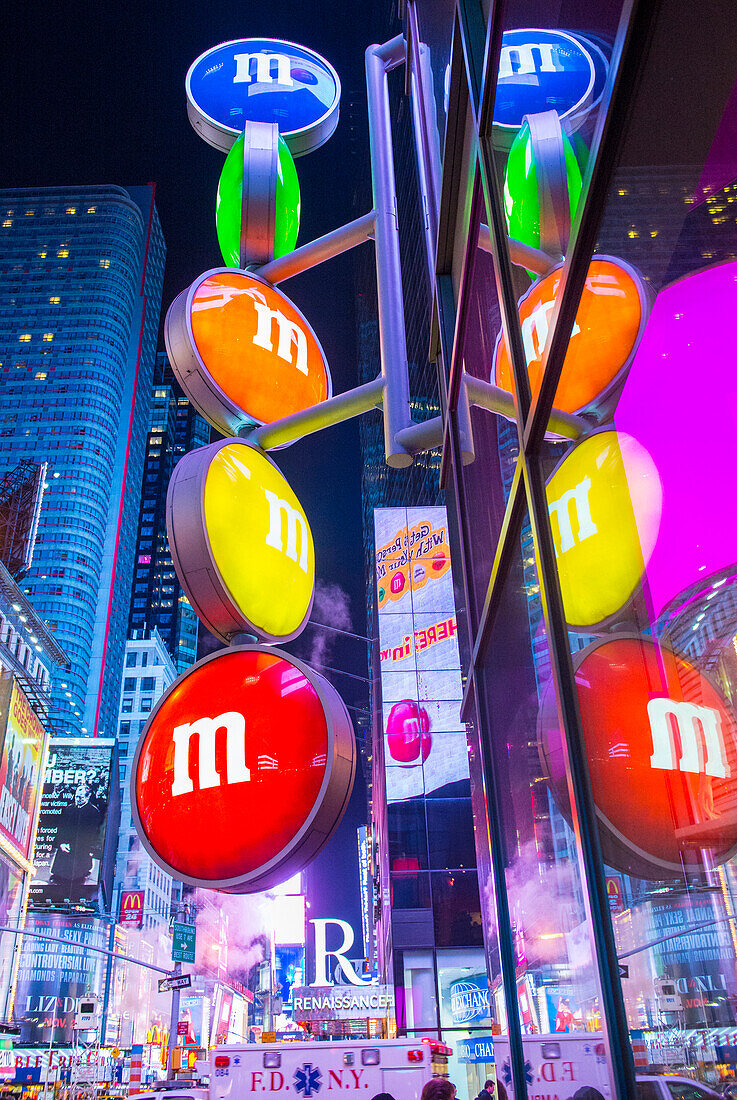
[80, 297]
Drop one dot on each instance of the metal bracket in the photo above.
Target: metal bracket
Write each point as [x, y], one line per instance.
[258, 202]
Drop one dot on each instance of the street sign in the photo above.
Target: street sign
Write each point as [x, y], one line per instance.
[183, 945]
[182, 1027]
[624, 971]
[178, 981]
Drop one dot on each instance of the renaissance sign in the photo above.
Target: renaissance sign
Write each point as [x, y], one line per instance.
[335, 1002]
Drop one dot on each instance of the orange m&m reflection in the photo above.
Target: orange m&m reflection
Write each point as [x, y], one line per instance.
[607, 325]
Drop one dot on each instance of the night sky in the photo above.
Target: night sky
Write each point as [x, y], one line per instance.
[94, 94]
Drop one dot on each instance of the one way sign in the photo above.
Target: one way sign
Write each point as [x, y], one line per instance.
[177, 981]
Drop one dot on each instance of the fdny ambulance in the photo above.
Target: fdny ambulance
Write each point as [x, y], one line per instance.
[305, 1070]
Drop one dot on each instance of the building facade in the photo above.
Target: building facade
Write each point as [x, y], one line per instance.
[30, 659]
[581, 254]
[148, 671]
[157, 599]
[82, 272]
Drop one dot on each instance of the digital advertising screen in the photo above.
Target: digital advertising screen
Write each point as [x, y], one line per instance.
[70, 842]
[424, 738]
[51, 975]
[21, 760]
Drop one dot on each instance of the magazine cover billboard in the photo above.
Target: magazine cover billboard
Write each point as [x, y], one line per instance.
[21, 760]
[424, 738]
[75, 809]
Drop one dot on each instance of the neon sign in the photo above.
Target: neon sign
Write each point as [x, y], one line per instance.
[610, 319]
[241, 542]
[683, 369]
[263, 80]
[662, 749]
[605, 503]
[243, 352]
[540, 70]
[258, 746]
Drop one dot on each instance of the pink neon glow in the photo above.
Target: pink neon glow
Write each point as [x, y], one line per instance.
[680, 402]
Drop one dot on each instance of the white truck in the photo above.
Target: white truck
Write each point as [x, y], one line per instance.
[556, 1066]
[327, 1071]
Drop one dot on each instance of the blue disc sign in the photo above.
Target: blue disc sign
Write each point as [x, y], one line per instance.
[539, 71]
[263, 80]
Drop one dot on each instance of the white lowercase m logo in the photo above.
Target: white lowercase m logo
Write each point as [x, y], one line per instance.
[289, 332]
[294, 521]
[578, 496]
[234, 725]
[700, 733]
[264, 64]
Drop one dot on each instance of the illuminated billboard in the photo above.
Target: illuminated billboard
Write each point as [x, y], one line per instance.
[249, 727]
[21, 760]
[51, 975]
[661, 743]
[70, 843]
[424, 737]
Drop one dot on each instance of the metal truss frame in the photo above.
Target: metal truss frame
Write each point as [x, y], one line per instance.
[389, 392]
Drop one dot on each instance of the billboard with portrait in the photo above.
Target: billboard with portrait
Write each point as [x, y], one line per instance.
[21, 760]
[424, 738]
[74, 817]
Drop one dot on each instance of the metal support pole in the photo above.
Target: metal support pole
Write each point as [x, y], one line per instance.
[397, 415]
[424, 436]
[173, 1021]
[87, 947]
[316, 252]
[524, 255]
[334, 411]
[487, 396]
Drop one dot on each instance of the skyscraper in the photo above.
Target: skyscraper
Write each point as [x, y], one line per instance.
[79, 313]
[157, 600]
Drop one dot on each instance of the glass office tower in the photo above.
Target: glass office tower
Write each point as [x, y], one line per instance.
[80, 298]
[157, 599]
[580, 182]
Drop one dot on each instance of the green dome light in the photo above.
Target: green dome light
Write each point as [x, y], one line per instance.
[230, 197]
[521, 191]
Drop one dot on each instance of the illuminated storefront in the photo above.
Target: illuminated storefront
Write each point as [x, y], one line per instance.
[581, 236]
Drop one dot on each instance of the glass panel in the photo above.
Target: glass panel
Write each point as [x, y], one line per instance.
[488, 479]
[456, 908]
[552, 72]
[557, 987]
[432, 67]
[645, 534]
[420, 1001]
